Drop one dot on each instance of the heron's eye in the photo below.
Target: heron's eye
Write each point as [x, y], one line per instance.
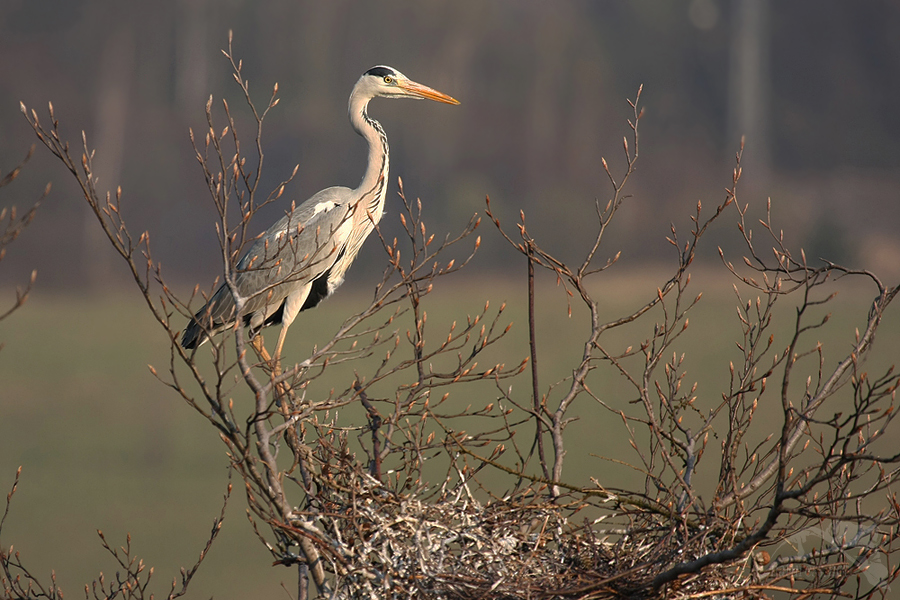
[388, 79]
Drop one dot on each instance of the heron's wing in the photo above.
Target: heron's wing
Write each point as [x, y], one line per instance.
[294, 251]
[297, 249]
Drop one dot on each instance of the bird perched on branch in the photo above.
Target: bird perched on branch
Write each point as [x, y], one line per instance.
[303, 257]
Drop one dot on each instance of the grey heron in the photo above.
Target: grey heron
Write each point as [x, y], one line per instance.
[303, 257]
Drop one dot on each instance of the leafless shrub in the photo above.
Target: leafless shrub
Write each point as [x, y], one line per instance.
[375, 524]
[11, 226]
[813, 479]
[129, 583]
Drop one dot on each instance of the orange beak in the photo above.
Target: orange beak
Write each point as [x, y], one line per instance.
[423, 91]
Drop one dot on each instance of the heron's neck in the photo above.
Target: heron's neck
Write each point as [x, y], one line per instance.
[373, 187]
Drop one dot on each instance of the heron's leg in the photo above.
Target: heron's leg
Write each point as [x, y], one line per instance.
[284, 397]
[257, 344]
[274, 362]
[279, 346]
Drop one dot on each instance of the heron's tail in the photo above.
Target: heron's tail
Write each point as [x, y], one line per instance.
[193, 335]
[209, 320]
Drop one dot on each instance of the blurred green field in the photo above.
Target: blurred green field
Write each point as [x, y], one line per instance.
[103, 445]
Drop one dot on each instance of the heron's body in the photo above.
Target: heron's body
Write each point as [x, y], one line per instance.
[303, 257]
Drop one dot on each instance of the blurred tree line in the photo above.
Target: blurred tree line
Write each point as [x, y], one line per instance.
[543, 88]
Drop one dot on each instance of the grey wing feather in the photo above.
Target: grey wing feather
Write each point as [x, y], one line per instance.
[294, 251]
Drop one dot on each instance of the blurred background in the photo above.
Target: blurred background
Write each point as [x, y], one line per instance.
[812, 85]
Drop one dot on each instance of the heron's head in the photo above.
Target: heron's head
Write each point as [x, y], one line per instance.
[388, 82]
